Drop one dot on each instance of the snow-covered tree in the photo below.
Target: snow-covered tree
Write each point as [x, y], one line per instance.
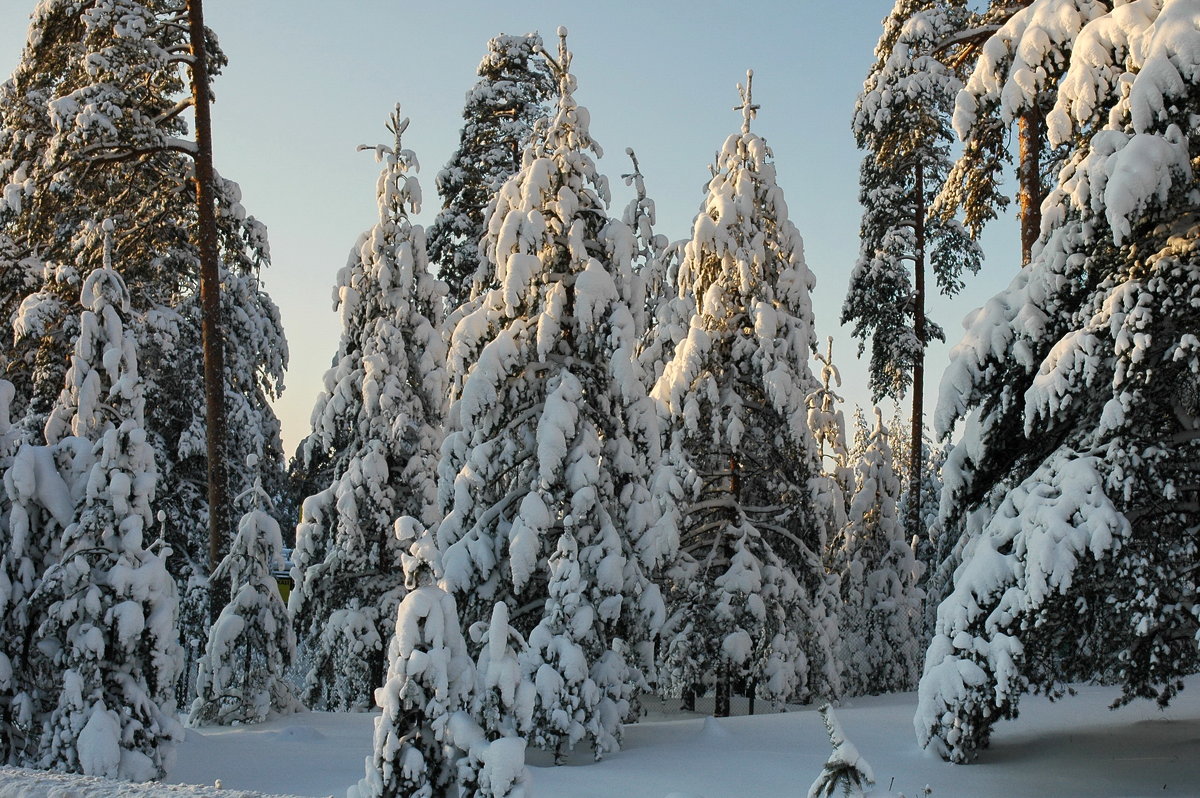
[649, 281]
[513, 92]
[845, 773]
[550, 425]
[107, 609]
[828, 427]
[747, 593]
[1075, 480]
[881, 621]
[377, 423]
[242, 675]
[429, 678]
[1018, 53]
[42, 486]
[902, 121]
[92, 126]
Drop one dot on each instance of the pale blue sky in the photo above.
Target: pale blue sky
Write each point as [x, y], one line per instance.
[309, 80]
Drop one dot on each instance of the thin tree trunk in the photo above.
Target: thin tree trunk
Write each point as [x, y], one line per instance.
[210, 288]
[721, 699]
[918, 377]
[1031, 192]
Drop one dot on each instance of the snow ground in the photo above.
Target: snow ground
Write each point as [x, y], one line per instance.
[1069, 749]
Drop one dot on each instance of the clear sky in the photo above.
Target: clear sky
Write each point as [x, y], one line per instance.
[310, 80]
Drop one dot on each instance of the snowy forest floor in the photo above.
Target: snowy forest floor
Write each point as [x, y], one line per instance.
[1073, 747]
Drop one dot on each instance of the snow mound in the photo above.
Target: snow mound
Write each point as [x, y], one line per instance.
[21, 783]
[297, 734]
[713, 729]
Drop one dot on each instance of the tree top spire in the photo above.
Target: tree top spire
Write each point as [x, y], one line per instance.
[748, 108]
[561, 68]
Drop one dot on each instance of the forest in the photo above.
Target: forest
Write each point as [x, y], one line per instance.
[561, 465]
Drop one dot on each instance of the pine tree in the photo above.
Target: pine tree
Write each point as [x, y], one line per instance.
[550, 423]
[242, 675]
[512, 93]
[1018, 53]
[92, 127]
[748, 592]
[429, 678]
[377, 422]
[901, 120]
[1075, 480]
[108, 608]
[882, 619]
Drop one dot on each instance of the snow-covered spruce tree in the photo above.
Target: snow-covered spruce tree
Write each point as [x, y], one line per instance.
[513, 92]
[550, 424]
[42, 486]
[901, 120]
[92, 126]
[106, 611]
[251, 645]
[746, 598]
[378, 422]
[1076, 477]
[1017, 52]
[882, 619]
[828, 426]
[429, 678]
[649, 281]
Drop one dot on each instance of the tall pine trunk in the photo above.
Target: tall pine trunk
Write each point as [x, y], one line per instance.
[1031, 192]
[210, 288]
[918, 377]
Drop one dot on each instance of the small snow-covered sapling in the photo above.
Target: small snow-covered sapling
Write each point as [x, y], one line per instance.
[845, 768]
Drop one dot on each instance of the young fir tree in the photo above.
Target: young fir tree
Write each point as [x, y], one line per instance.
[845, 773]
[429, 678]
[377, 422]
[513, 92]
[882, 619]
[1076, 476]
[242, 675]
[747, 595]
[106, 611]
[550, 420]
[901, 120]
[92, 125]
[1018, 53]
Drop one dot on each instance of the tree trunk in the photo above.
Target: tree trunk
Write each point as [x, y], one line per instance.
[210, 289]
[918, 376]
[721, 699]
[1031, 192]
